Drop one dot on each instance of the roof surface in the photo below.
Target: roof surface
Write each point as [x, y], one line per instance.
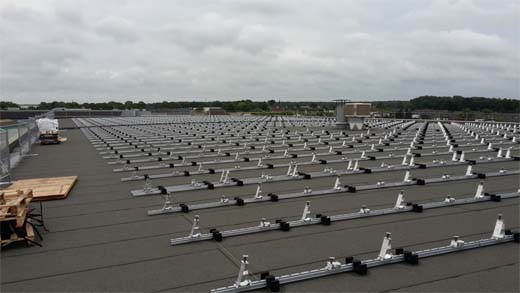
[101, 239]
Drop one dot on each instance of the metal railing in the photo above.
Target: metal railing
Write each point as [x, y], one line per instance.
[15, 143]
[5, 160]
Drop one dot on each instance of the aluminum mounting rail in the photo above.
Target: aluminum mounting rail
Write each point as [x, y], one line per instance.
[165, 165]
[266, 156]
[307, 192]
[229, 145]
[334, 267]
[203, 137]
[110, 144]
[133, 150]
[220, 161]
[125, 146]
[322, 219]
[110, 140]
[154, 156]
[131, 146]
[195, 185]
[183, 173]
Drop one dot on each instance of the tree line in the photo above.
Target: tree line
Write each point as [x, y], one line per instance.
[455, 103]
[231, 106]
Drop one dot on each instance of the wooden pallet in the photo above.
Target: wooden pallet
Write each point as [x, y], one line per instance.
[13, 213]
[15, 208]
[29, 236]
[44, 188]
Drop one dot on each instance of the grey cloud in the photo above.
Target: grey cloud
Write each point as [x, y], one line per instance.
[118, 28]
[289, 50]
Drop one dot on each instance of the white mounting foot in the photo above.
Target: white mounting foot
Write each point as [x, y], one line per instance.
[356, 166]
[449, 199]
[224, 177]
[332, 264]
[386, 247]
[295, 170]
[289, 170]
[399, 202]
[412, 161]
[364, 210]
[499, 231]
[508, 153]
[264, 223]
[480, 190]
[147, 185]
[258, 194]
[243, 274]
[194, 233]
[337, 184]
[454, 157]
[456, 242]
[306, 212]
[407, 177]
[167, 202]
[461, 159]
[469, 171]
[405, 159]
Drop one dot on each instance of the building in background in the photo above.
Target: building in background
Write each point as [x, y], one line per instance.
[351, 115]
[276, 108]
[135, 113]
[214, 111]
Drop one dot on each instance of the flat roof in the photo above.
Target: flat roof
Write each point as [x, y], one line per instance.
[101, 239]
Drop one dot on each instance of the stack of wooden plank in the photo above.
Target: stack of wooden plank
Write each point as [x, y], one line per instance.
[44, 188]
[14, 224]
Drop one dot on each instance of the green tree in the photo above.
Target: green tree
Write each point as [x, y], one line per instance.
[8, 104]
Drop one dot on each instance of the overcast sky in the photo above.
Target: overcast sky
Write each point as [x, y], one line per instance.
[289, 50]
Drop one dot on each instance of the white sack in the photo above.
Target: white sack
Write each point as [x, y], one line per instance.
[46, 125]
